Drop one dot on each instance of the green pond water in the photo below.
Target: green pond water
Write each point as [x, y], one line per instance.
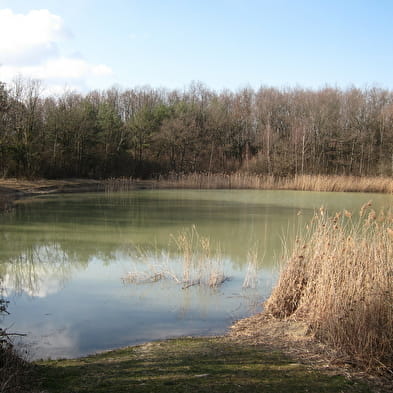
[63, 257]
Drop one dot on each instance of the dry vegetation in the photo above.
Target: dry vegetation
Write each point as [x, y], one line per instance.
[199, 263]
[12, 367]
[194, 261]
[12, 370]
[338, 279]
[242, 180]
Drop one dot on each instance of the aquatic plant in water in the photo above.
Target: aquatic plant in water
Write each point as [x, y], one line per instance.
[193, 262]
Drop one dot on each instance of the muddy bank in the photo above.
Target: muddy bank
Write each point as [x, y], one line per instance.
[12, 190]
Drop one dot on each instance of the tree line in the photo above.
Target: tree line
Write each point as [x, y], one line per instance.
[146, 132]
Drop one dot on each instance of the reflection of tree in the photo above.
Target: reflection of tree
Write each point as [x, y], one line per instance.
[38, 271]
[24, 244]
[82, 229]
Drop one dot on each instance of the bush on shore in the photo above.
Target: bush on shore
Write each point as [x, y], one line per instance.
[12, 366]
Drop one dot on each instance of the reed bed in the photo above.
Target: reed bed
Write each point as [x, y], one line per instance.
[119, 184]
[244, 180]
[236, 180]
[337, 183]
[339, 279]
[193, 262]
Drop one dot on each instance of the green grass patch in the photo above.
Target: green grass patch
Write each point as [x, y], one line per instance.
[187, 365]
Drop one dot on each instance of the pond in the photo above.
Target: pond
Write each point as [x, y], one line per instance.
[63, 260]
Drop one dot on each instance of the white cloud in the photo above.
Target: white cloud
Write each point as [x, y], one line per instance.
[54, 89]
[30, 46]
[58, 68]
[27, 38]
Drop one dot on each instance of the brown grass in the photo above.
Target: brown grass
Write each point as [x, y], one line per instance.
[338, 183]
[338, 278]
[243, 180]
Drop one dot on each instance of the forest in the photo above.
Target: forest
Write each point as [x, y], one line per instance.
[146, 132]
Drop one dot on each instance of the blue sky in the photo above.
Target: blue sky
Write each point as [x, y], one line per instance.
[86, 44]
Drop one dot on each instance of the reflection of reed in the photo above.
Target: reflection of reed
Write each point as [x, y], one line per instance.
[38, 271]
[251, 278]
[5, 203]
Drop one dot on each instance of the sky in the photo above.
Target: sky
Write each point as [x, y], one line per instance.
[225, 44]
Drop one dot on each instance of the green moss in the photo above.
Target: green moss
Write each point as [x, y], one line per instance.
[187, 365]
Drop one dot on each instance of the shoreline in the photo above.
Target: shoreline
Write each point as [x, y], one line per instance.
[13, 189]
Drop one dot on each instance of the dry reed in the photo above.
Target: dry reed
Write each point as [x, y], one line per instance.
[119, 184]
[338, 278]
[244, 180]
[199, 263]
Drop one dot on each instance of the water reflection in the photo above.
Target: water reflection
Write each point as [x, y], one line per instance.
[38, 271]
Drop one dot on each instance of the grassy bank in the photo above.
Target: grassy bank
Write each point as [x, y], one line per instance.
[338, 279]
[240, 180]
[188, 365]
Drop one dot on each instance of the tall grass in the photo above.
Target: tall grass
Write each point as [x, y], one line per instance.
[244, 180]
[236, 180]
[118, 184]
[337, 183]
[339, 279]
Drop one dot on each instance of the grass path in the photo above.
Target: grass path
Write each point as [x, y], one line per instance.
[188, 365]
